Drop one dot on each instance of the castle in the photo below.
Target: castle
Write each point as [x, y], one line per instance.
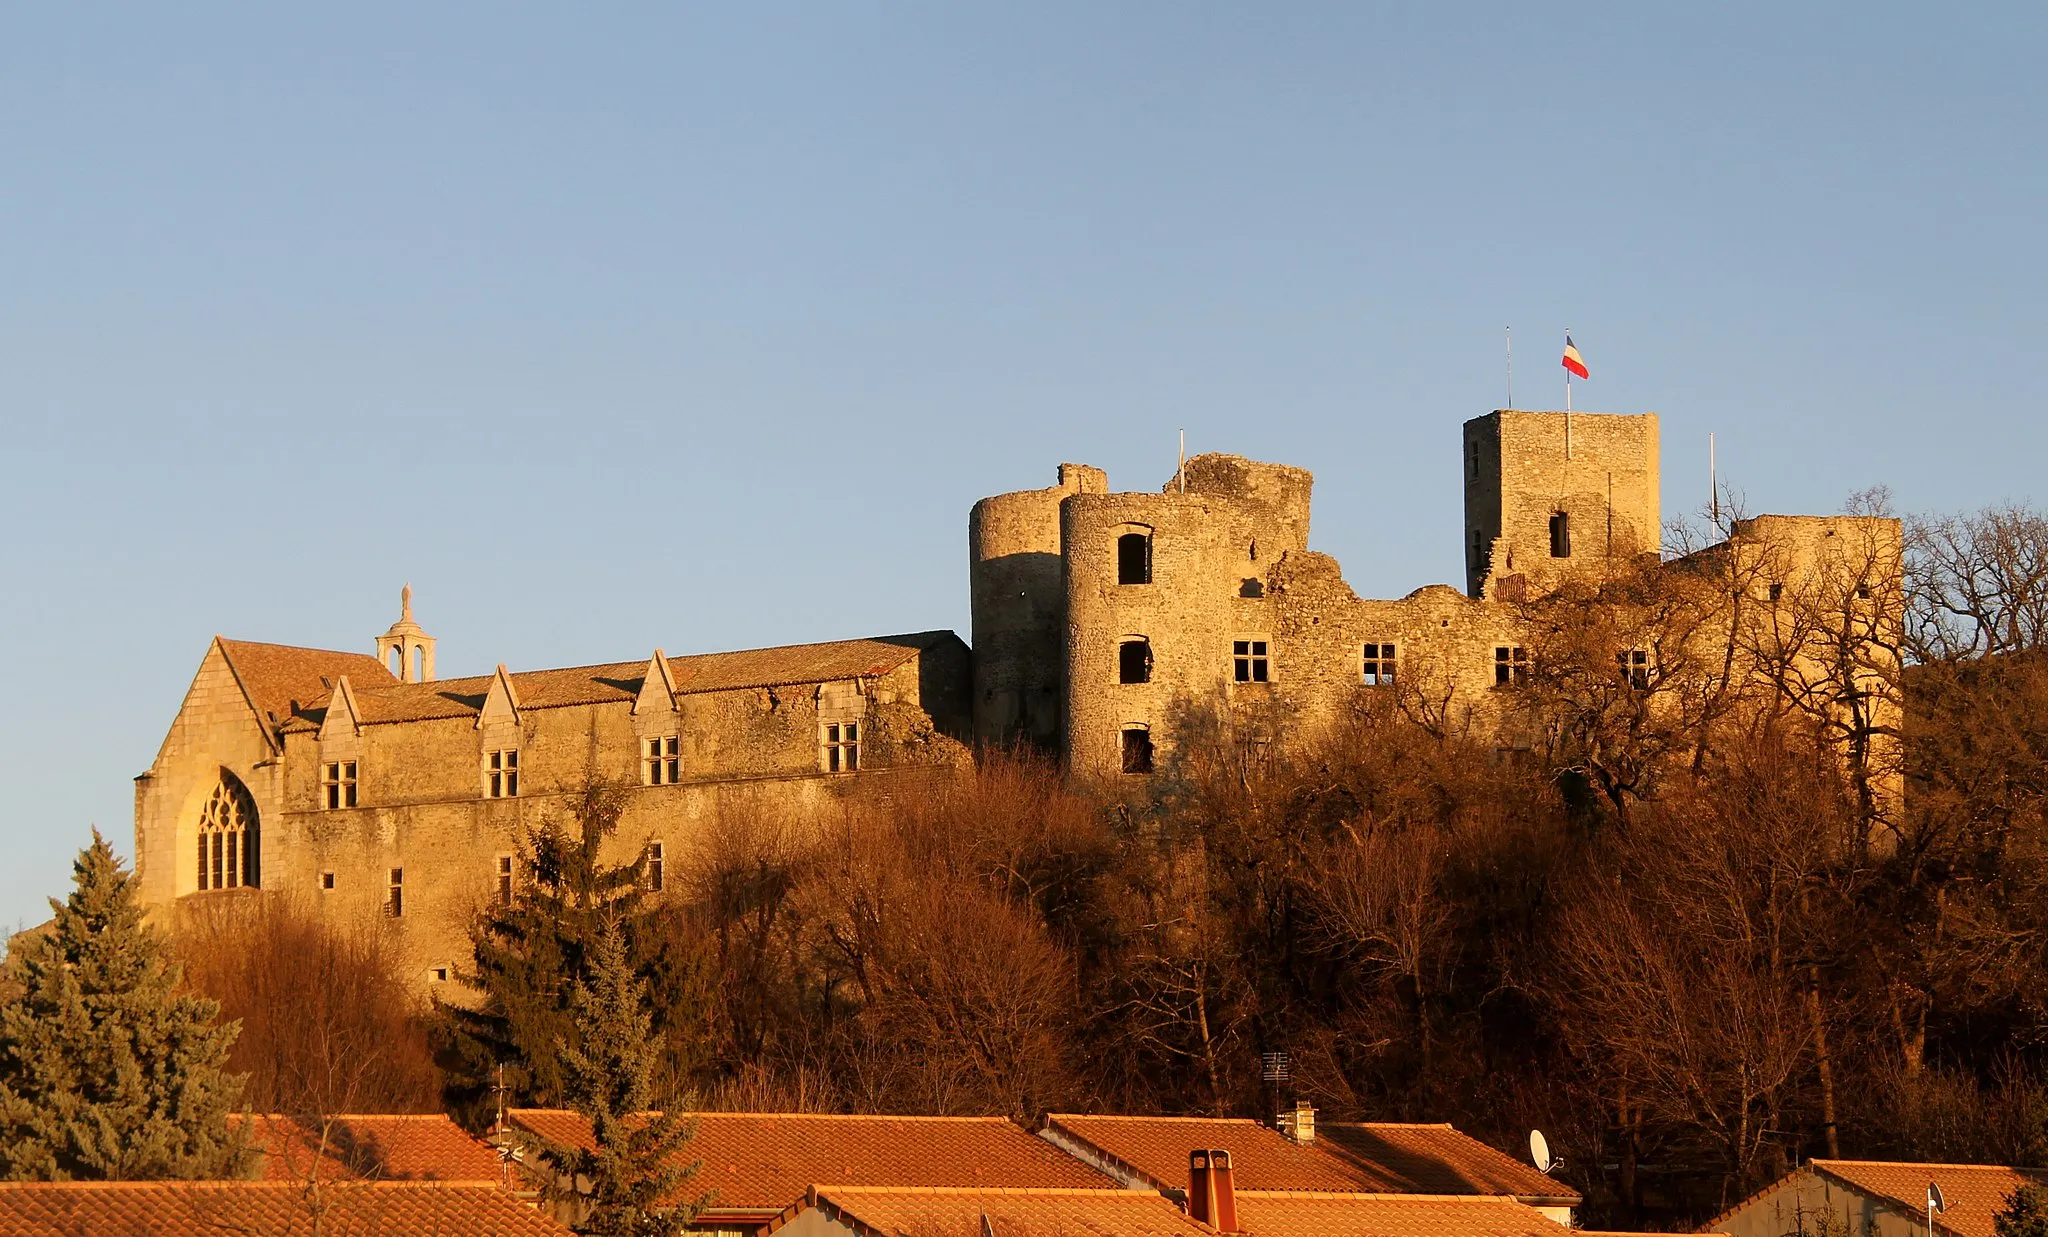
[1100, 620]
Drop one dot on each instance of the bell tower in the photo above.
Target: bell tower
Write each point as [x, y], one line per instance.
[406, 649]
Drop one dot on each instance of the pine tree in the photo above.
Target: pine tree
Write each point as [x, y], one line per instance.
[2025, 1213]
[107, 1072]
[529, 953]
[635, 1167]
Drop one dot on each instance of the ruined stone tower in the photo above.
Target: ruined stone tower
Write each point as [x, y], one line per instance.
[1549, 493]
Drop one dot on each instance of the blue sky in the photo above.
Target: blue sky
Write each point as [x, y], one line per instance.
[703, 326]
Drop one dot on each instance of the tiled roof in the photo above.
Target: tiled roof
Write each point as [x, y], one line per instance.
[1157, 1147]
[619, 682]
[1302, 1213]
[762, 1161]
[377, 1147]
[273, 1208]
[1973, 1193]
[276, 675]
[1434, 1159]
[887, 1212]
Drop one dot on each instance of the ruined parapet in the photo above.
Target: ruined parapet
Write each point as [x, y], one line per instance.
[1019, 608]
[1278, 492]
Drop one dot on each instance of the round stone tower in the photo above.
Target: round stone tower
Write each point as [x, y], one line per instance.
[1019, 609]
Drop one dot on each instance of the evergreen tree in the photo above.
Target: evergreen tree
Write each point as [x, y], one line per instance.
[107, 1072]
[635, 1167]
[529, 953]
[2025, 1213]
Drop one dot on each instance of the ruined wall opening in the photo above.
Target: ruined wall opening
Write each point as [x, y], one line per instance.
[1560, 535]
[1134, 660]
[1134, 558]
[1137, 749]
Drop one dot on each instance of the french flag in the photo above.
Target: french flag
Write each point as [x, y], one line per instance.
[1572, 360]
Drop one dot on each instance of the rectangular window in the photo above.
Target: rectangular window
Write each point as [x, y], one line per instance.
[501, 770]
[1137, 749]
[1634, 665]
[662, 762]
[1249, 662]
[326, 881]
[504, 890]
[338, 784]
[842, 747]
[1777, 591]
[1510, 664]
[1379, 664]
[394, 902]
[439, 974]
[657, 875]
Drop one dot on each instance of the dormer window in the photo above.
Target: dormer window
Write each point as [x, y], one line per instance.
[841, 744]
[501, 773]
[661, 762]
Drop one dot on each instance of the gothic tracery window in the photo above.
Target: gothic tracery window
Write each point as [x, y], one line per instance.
[228, 837]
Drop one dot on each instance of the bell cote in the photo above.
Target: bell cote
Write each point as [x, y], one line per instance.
[406, 650]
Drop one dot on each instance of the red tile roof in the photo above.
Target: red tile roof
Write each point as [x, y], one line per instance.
[1973, 1193]
[897, 1212]
[382, 1146]
[1434, 1159]
[619, 682]
[1303, 1213]
[273, 1208]
[276, 675]
[762, 1161]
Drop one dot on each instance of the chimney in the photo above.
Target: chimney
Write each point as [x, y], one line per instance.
[1212, 1198]
[1300, 1124]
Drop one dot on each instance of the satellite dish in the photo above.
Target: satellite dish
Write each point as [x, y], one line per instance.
[1934, 1198]
[1539, 1151]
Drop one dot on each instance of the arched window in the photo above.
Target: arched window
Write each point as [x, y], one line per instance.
[1134, 660]
[228, 837]
[1134, 558]
[1560, 535]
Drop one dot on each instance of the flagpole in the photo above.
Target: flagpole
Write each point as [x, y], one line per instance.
[1567, 400]
[1511, 367]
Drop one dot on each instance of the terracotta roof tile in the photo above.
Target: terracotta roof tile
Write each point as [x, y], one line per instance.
[619, 682]
[1268, 1213]
[275, 675]
[1434, 1159]
[377, 1147]
[762, 1161]
[274, 1208]
[1158, 1147]
[889, 1212]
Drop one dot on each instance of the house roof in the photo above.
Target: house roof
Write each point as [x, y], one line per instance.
[1435, 1159]
[1307, 1213]
[274, 1208]
[276, 676]
[929, 1212]
[619, 682]
[1156, 1148]
[1373, 1158]
[761, 1161]
[377, 1147]
[1973, 1193]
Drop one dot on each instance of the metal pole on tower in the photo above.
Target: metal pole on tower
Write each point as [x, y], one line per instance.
[1181, 474]
[1567, 401]
[1511, 367]
[1713, 484]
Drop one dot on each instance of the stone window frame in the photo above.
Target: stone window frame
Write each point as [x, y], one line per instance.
[839, 746]
[504, 878]
[1251, 658]
[1633, 664]
[501, 773]
[1123, 669]
[229, 836]
[327, 882]
[1560, 534]
[661, 759]
[1510, 665]
[1124, 533]
[1380, 662]
[338, 785]
[656, 857]
[394, 893]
